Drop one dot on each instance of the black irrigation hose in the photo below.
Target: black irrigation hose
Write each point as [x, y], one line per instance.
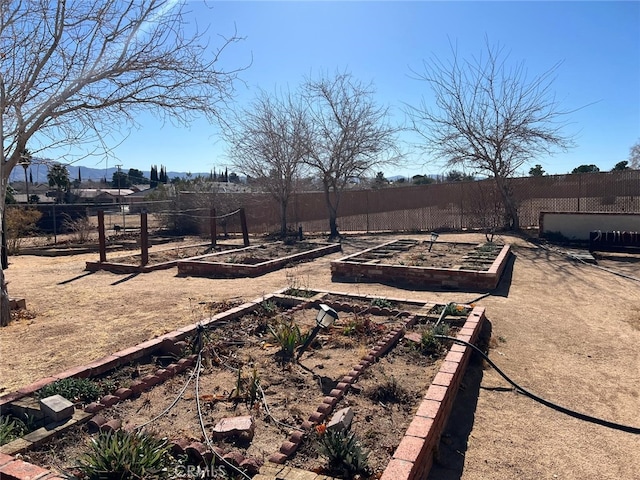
[554, 406]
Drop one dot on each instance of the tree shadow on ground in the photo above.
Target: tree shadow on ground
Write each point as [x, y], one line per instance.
[449, 460]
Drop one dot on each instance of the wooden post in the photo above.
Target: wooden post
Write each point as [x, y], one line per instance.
[212, 226]
[243, 224]
[101, 238]
[144, 239]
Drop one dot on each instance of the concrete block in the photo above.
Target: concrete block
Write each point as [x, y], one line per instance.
[56, 408]
[341, 420]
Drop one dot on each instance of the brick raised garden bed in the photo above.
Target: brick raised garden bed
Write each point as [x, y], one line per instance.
[255, 260]
[410, 263]
[343, 380]
[160, 259]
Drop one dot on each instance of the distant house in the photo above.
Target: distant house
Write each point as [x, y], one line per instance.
[101, 195]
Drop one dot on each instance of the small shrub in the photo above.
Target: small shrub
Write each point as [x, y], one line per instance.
[382, 303]
[20, 223]
[10, 429]
[125, 455]
[75, 389]
[358, 326]
[429, 344]
[287, 335]
[80, 228]
[343, 450]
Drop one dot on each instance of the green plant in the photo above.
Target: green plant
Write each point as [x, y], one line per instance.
[358, 325]
[268, 308]
[287, 335]
[75, 389]
[429, 344]
[125, 455]
[382, 303]
[343, 450]
[10, 429]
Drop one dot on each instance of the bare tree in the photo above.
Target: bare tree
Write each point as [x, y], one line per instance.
[634, 156]
[77, 71]
[350, 135]
[489, 116]
[267, 142]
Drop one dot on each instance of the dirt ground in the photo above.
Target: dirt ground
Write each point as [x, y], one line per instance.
[566, 331]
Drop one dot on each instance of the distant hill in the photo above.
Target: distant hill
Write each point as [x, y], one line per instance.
[38, 171]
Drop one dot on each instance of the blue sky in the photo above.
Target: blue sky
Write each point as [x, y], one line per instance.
[598, 44]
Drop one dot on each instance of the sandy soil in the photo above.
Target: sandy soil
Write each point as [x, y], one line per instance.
[565, 330]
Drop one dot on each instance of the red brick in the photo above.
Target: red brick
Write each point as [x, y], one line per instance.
[330, 400]
[398, 470]
[289, 448]
[420, 427]
[94, 407]
[410, 449]
[348, 379]
[436, 392]
[449, 367]
[109, 400]
[20, 470]
[454, 357]
[297, 437]
[4, 459]
[150, 380]
[336, 393]
[123, 393]
[11, 397]
[76, 372]
[456, 347]
[278, 458]
[428, 408]
[35, 386]
[442, 378]
[466, 331]
[131, 353]
[325, 408]
[317, 417]
[104, 364]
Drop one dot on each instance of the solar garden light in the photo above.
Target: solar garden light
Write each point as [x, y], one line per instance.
[434, 237]
[325, 318]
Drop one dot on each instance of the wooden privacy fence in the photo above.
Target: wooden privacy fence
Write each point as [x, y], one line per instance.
[455, 206]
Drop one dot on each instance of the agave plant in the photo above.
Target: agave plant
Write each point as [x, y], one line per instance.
[343, 450]
[286, 334]
[124, 455]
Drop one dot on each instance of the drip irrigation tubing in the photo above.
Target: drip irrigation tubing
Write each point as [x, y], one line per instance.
[202, 426]
[547, 403]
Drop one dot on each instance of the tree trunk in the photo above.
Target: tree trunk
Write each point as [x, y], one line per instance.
[283, 219]
[5, 308]
[513, 220]
[333, 213]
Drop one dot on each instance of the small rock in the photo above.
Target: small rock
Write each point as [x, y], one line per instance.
[341, 420]
[243, 426]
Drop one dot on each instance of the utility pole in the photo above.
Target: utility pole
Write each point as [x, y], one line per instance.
[120, 198]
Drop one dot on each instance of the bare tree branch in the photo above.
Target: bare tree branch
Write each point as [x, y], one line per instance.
[351, 134]
[489, 116]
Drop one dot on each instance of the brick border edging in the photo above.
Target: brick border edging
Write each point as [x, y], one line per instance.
[195, 266]
[413, 458]
[416, 447]
[345, 269]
